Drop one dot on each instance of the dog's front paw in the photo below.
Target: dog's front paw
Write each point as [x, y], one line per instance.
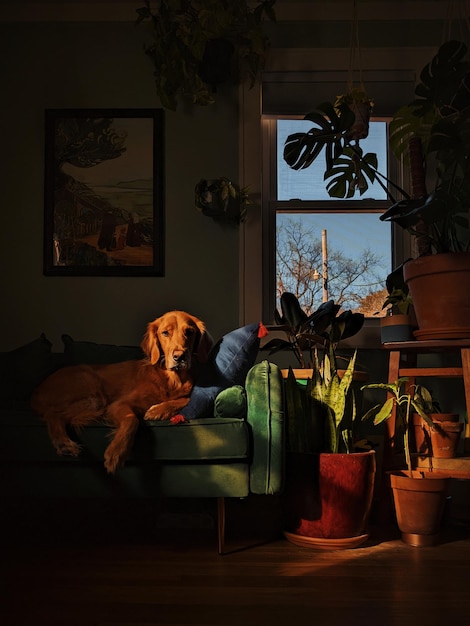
[158, 412]
[112, 461]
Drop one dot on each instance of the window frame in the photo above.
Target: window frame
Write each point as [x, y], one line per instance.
[270, 205]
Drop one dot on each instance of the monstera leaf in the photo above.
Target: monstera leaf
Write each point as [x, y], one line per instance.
[330, 134]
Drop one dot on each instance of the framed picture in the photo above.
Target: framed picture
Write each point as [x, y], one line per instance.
[104, 176]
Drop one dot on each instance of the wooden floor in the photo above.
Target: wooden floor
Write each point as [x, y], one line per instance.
[141, 574]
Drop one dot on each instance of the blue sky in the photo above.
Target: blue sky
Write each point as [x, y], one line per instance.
[352, 232]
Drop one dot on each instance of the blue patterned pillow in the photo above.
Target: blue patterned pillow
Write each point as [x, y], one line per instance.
[228, 365]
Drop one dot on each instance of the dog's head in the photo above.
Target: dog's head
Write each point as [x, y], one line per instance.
[174, 339]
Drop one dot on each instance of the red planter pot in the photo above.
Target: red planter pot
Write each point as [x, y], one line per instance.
[329, 498]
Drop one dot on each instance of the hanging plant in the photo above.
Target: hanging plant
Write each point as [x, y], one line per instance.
[200, 44]
[335, 135]
[222, 200]
[361, 104]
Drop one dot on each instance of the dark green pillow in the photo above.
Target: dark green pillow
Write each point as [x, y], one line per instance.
[231, 402]
[87, 352]
[22, 369]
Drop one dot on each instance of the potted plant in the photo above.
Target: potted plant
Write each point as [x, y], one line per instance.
[199, 44]
[398, 323]
[222, 200]
[329, 483]
[347, 168]
[361, 104]
[325, 326]
[419, 499]
[442, 439]
[432, 135]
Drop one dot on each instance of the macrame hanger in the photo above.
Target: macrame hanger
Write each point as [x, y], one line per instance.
[355, 50]
[458, 12]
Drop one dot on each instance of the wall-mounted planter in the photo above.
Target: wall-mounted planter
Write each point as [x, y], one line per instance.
[222, 200]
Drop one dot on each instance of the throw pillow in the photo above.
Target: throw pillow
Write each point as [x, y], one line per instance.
[87, 352]
[229, 362]
[231, 402]
[22, 369]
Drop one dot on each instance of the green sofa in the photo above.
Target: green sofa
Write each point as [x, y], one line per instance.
[234, 450]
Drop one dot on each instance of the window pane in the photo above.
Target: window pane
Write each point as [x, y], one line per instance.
[308, 184]
[357, 257]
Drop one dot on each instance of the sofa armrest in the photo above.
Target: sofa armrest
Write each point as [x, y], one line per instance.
[265, 399]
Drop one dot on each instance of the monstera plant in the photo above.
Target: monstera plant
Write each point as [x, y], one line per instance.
[432, 133]
[333, 136]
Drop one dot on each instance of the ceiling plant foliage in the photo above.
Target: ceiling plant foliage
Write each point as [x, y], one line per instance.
[199, 44]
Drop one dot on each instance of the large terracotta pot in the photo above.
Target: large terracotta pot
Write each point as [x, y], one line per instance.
[328, 499]
[419, 506]
[441, 299]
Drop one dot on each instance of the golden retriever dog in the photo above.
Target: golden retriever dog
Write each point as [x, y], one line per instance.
[156, 387]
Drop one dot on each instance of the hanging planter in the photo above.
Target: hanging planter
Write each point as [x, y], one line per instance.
[198, 45]
[357, 100]
[222, 200]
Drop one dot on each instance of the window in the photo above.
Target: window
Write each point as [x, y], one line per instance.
[321, 247]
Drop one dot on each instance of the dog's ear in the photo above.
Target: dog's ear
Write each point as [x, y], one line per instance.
[150, 344]
[204, 343]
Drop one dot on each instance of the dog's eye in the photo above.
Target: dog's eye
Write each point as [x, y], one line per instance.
[189, 332]
[166, 333]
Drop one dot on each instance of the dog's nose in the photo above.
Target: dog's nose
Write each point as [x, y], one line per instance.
[179, 355]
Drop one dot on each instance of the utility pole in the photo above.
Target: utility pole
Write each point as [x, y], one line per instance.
[324, 266]
[324, 256]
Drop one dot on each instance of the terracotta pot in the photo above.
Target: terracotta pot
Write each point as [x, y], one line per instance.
[299, 373]
[445, 437]
[441, 301]
[445, 445]
[421, 441]
[466, 441]
[396, 327]
[419, 506]
[328, 498]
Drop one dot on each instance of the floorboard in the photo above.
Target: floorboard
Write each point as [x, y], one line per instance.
[146, 575]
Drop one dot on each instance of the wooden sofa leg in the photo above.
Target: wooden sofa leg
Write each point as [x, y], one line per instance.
[221, 524]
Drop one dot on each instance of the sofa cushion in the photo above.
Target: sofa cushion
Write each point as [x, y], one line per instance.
[22, 369]
[229, 362]
[90, 353]
[215, 439]
[24, 438]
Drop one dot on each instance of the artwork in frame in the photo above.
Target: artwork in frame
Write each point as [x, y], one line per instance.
[104, 193]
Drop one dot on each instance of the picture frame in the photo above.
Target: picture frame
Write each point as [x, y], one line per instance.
[104, 192]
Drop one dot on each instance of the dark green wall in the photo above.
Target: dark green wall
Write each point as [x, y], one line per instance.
[92, 65]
